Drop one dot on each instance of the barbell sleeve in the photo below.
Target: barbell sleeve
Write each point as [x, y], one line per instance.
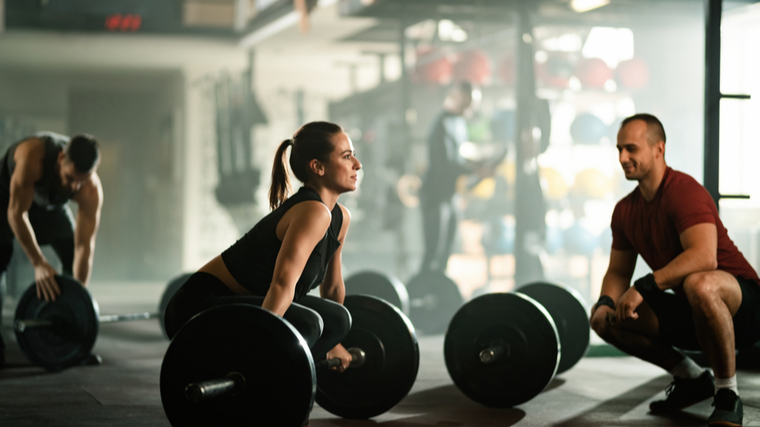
[232, 384]
[22, 325]
[493, 353]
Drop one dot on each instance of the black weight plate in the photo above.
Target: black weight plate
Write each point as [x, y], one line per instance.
[169, 292]
[389, 342]
[264, 348]
[433, 300]
[534, 349]
[381, 285]
[568, 310]
[75, 314]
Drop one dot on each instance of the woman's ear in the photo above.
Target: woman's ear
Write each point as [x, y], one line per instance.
[317, 167]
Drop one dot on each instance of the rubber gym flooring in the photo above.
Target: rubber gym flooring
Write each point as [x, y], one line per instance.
[124, 390]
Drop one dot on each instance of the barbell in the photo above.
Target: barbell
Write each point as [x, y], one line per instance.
[240, 364]
[59, 334]
[503, 349]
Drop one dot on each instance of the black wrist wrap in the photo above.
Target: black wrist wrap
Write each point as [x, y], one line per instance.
[605, 300]
[646, 285]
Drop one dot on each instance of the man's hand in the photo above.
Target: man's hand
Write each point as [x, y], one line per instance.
[599, 317]
[627, 305]
[338, 352]
[44, 277]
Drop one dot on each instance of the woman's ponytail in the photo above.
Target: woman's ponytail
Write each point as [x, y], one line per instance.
[280, 188]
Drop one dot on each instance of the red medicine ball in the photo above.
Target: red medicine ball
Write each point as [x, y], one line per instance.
[633, 73]
[432, 66]
[593, 72]
[473, 66]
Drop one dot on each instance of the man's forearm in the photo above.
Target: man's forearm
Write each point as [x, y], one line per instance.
[688, 262]
[24, 233]
[83, 265]
[614, 285]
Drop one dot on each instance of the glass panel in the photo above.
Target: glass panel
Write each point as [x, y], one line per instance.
[740, 127]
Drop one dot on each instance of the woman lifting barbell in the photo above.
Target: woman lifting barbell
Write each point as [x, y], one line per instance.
[290, 251]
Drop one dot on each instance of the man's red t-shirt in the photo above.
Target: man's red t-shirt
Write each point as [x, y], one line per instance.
[653, 229]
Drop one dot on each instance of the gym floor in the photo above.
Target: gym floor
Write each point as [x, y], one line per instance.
[124, 390]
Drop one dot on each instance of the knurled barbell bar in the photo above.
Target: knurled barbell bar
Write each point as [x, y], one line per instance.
[58, 334]
[503, 349]
[260, 371]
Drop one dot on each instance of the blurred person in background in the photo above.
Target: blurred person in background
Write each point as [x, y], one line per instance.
[445, 165]
[38, 176]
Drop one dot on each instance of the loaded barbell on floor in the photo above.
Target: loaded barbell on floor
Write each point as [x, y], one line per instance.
[503, 349]
[58, 334]
[257, 369]
[430, 298]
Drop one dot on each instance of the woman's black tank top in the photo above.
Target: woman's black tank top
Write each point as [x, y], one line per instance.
[251, 259]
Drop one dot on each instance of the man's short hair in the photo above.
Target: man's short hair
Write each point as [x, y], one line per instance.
[84, 152]
[655, 130]
[461, 87]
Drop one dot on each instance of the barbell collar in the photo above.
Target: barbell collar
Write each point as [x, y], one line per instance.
[232, 384]
[358, 357]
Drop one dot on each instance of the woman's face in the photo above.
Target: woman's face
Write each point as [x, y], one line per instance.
[344, 166]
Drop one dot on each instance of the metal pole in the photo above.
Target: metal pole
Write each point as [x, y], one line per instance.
[525, 96]
[405, 102]
[713, 12]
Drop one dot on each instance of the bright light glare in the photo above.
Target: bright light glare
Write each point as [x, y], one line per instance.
[612, 45]
[581, 6]
[564, 43]
[449, 31]
[269, 30]
[424, 30]
[477, 95]
[625, 107]
[574, 83]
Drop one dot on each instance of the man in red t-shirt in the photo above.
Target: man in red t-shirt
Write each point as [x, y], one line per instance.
[672, 222]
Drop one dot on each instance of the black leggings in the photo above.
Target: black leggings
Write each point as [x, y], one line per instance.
[322, 323]
[439, 225]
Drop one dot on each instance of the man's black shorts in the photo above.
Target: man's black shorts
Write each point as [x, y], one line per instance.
[677, 322]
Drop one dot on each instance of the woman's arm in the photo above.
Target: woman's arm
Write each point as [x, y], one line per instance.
[306, 224]
[332, 287]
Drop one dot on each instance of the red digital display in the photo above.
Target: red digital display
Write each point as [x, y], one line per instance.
[123, 22]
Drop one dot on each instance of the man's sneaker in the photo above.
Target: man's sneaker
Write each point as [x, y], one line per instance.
[728, 409]
[682, 393]
[92, 359]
